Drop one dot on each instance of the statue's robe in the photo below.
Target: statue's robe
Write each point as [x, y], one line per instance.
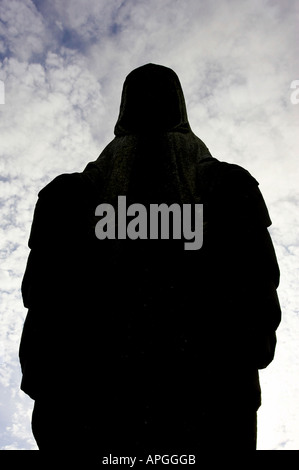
[141, 345]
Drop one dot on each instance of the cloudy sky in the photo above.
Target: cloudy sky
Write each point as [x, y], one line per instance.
[62, 65]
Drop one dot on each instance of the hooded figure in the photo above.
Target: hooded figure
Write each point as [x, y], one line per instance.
[135, 346]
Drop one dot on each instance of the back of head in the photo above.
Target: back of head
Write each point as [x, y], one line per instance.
[152, 101]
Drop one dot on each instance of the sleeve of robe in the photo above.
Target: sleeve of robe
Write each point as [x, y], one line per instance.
[246, 265]
[51, 288]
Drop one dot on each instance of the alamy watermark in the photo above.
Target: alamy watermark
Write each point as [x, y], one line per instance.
[135, 222]
[167, 459]
[2, 92]
[295, 94]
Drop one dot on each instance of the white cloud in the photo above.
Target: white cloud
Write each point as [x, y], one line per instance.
[23, 28]
[63, 72]
[47, 114]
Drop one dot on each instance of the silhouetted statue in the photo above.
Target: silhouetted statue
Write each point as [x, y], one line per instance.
[135, 346]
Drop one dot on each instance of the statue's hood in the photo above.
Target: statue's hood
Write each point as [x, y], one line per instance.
[152, 101]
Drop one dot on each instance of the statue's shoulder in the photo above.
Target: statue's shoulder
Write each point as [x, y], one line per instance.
[65, 184]
[227, 173]
[234, 188]
[216, 176]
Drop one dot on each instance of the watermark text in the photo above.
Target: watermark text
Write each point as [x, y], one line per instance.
[295, 94]
[2, 92]
[161, 222]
